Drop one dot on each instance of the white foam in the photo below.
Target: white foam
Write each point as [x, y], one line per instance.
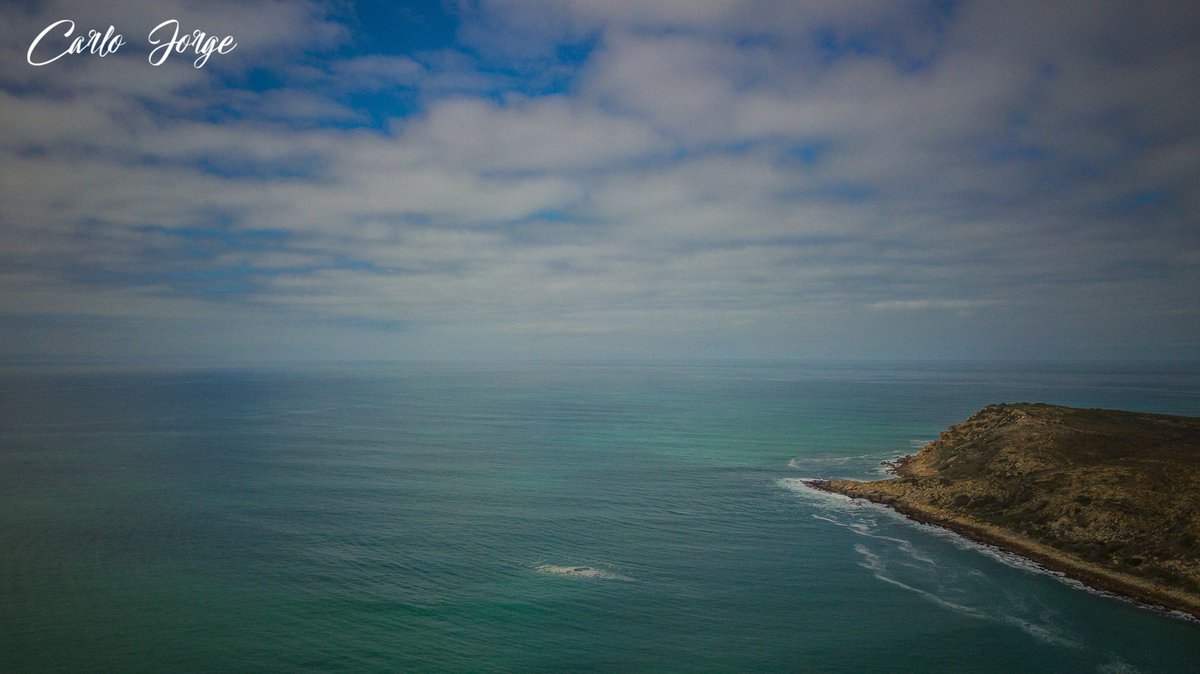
[1117, 666]
[915, 569]
[580, 572]
[832, 501]
[816, 462]
[1044, 631]
[800, 486]
[873, 563]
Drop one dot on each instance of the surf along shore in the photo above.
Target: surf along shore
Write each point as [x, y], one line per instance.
[1109, 498]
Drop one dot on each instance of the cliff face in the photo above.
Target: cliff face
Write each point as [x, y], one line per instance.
[1090, 492]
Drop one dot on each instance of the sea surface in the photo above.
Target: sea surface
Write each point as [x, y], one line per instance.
[532, 518]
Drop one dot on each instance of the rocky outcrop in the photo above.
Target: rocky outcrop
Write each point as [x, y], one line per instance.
[1111, 498]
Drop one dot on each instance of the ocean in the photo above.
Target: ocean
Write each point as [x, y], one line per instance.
[530, 518]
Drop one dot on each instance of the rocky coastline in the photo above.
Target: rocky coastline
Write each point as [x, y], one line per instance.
[1109, 498]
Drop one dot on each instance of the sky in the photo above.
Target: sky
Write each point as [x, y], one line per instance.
[602, 179]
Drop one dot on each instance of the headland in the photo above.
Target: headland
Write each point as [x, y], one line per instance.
[1110, 498]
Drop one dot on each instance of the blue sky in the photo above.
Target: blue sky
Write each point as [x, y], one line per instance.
[604, 179]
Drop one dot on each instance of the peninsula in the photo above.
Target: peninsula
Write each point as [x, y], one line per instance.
[1109, 498]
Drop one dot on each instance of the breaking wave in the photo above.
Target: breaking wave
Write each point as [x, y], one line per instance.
[580, 572]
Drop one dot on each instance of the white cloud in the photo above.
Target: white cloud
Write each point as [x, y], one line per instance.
[540, 135]
[927, 304]
[664, 194]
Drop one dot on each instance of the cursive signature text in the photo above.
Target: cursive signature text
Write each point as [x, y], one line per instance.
[97, 43]
[167, 38]
[196, 41]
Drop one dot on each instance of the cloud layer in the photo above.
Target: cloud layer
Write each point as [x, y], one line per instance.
[595, 179]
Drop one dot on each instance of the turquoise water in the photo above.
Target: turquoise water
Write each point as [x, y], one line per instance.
[529, 518]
